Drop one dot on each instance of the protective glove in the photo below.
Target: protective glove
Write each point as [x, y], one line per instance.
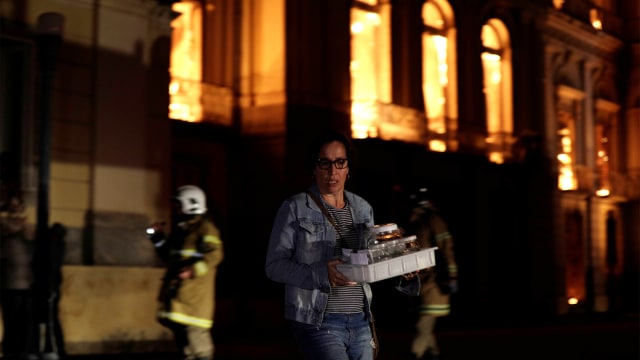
[409, 285]
[453, 286]
[155, 233]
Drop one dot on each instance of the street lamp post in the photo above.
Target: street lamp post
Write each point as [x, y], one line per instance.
[48, 40]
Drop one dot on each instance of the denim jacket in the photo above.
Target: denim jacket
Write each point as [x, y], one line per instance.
[302, 242]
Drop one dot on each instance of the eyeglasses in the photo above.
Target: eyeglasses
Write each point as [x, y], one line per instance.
[325, 164]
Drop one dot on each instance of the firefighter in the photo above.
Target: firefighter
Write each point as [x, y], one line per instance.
[435, 284]
[192, 252]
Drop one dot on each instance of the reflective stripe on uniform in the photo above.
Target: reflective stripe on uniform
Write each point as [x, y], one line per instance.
[453, 268]
[185, 319]
[213, 239]
[200, 268]
[441, 236]
[435, 309]
[187, 253]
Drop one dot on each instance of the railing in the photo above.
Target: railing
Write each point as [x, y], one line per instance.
[197, 102]
[625, 185]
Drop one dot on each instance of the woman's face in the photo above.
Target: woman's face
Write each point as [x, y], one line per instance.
[330, 179]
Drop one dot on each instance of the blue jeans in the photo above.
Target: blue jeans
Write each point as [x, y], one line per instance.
[341, 337]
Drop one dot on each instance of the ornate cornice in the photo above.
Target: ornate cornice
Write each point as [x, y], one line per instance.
[558, 27]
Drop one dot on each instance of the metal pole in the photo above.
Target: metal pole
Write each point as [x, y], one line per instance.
[48, 40]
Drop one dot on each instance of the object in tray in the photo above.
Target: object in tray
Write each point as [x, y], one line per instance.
[400, 265]
[392, 248]
[386, 232]
[359, 257]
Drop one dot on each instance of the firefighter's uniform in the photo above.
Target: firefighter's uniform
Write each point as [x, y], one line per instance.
[186, 305]
[431, 231]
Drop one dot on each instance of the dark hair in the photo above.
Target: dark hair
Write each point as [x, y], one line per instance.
[326, 137]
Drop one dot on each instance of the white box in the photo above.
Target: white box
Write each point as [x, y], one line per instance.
[385, 269]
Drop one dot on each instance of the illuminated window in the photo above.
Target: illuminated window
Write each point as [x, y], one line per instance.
[604, 138]
[496, 62]
[438, 69]
[370, 66]
[185, 88]
[568, 111]
[603, 133]
[566, 151]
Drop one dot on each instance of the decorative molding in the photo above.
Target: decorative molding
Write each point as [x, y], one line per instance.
[569, 92]
[607, 105]
[578, 34]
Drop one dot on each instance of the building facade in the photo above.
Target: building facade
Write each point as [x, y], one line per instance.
[522, 116]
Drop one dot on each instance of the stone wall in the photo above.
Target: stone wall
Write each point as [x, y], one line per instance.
[107, 309]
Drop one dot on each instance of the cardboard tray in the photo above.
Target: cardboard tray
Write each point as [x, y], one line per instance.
[393, 267]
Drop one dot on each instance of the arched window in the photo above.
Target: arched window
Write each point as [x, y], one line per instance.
[496, 65]
[370, 65]
[439, 75]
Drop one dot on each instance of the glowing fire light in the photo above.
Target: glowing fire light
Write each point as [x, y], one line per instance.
[573, 301]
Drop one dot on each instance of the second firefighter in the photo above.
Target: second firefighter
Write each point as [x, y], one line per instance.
[192, 252]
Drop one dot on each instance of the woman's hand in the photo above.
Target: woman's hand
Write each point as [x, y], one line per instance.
[336, 278]
[411, 275]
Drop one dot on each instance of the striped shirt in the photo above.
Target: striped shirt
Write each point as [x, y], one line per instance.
[345, 299]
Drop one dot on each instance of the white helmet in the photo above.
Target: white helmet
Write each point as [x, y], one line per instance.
[192, 199]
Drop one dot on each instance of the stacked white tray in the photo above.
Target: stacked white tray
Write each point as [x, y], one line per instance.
[399, 265]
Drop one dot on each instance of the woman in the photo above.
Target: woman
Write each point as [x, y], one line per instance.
[330, 314]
